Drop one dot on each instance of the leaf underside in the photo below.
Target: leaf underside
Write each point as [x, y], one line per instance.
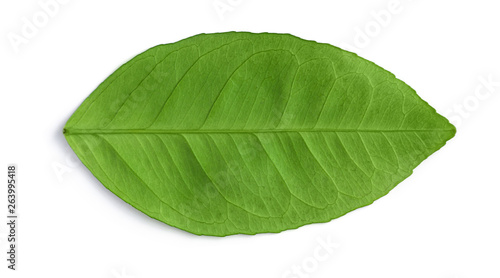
[242, 133]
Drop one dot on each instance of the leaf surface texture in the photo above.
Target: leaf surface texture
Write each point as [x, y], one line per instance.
[229, 133]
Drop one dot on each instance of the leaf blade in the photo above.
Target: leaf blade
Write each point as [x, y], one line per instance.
[285, 132]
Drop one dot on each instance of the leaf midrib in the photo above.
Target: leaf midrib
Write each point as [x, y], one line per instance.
[67, 131]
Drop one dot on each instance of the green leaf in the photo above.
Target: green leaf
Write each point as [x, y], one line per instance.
[229, 133]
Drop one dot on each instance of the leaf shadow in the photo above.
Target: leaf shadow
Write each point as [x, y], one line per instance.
[128, 210]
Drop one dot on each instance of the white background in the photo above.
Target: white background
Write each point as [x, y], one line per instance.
[443, 221]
